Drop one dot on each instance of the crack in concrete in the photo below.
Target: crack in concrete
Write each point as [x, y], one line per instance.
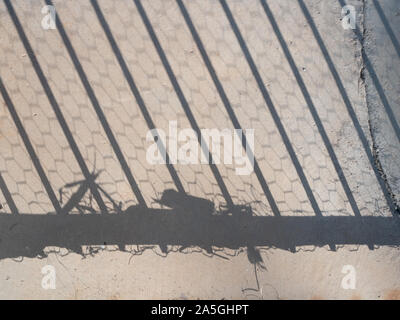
[375, 150]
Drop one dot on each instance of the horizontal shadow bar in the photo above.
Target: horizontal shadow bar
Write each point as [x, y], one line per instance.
[347, 103]
[28, 234]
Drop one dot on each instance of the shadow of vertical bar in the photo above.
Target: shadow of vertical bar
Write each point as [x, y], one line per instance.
[386, 24]
[7, 195]
[227, 105]
[29, 148]
[183, 102]
[271, 107]
[312, 108]
[376, 81]
[233, 232]
[54, 104]
[135, 92]
[347, 102]
[98, 110]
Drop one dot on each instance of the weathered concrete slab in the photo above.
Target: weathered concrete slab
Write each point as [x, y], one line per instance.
[78, 101]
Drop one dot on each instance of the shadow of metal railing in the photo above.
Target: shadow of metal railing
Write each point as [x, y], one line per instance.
[29, 234]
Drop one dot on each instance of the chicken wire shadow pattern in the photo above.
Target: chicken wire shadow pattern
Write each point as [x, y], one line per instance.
[79, 100]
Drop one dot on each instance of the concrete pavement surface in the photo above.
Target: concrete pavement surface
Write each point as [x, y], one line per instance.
[84, 82]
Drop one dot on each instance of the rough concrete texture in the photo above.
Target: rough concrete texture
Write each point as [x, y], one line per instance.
[80, 99]
[382, 50]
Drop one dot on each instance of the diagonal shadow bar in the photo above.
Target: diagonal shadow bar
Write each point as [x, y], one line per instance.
[184, 103]
[312, 108]
[7, 195]
[375, 80]
[136, 94]
[174, 228]
[54, 104]
[347, 102]
[228, 106]
[271, 107]
[98, 110]
[386, 24]
[29, 148]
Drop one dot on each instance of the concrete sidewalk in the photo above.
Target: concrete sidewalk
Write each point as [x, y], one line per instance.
[79, 100]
